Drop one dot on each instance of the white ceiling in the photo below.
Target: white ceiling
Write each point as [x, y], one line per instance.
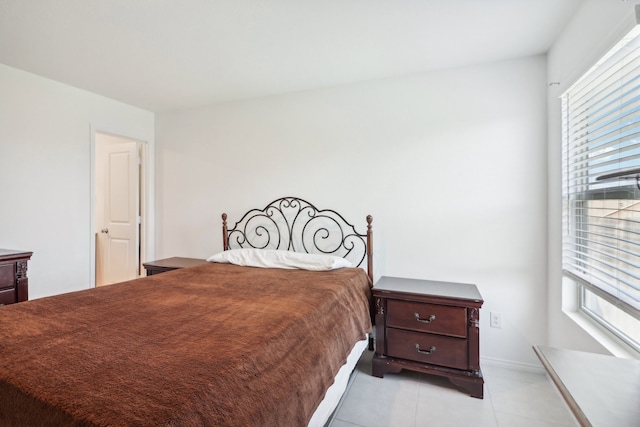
[169, 54]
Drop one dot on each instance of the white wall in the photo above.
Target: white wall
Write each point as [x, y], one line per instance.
[452, 165]
[45, 146]
[596, 27]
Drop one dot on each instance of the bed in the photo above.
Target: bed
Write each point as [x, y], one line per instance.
[227, 343]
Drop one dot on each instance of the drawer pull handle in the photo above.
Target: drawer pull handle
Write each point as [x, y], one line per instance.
[427, 352]
[429, 320]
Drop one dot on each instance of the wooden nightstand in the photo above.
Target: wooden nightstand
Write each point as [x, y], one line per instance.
[168, 264]
[14, 283]
[430, 327]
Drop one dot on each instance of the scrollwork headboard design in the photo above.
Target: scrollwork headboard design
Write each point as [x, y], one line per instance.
[293, 224]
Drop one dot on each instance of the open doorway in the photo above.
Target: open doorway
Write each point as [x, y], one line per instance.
[119, 208]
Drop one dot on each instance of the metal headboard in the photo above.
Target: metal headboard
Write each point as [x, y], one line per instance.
[293, 224]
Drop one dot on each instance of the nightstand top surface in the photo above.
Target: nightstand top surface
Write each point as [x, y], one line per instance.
[175, 262]
[6, 254]
[428, 287]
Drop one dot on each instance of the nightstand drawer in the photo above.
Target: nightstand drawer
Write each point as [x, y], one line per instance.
[422, 317]
[7, 296]
[7, 276]
[427, 348]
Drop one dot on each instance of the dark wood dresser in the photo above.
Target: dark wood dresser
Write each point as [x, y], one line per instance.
[14, 284]
[168, 264]
[431, 327]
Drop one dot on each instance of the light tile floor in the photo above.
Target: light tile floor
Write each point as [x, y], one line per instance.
[512, 398]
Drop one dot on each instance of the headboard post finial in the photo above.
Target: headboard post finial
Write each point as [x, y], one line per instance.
[370, 247]
[225, 235]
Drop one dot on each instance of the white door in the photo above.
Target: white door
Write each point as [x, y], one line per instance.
[117, 209]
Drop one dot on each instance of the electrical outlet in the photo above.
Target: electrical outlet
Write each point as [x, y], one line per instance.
[496, 320]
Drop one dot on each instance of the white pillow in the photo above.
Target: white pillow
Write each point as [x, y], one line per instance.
[269, 258]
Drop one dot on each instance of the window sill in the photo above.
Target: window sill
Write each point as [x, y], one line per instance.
[607, 340]
[600, 390]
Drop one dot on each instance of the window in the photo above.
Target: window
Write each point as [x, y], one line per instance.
[601, 189]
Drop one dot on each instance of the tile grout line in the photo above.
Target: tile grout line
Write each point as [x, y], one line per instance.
[352, 379]
[488, 392]
[415, 411]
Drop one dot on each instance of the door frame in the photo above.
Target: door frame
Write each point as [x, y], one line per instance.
[147, 238]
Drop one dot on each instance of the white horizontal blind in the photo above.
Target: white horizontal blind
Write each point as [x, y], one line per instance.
[601, 217]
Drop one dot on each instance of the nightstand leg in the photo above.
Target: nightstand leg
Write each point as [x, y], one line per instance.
[475, 386]
[382, 365]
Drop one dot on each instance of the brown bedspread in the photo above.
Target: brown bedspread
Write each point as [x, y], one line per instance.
[213, 345]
